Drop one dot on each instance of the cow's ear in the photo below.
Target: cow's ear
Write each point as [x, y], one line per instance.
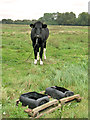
[44, 26]
[32, 25]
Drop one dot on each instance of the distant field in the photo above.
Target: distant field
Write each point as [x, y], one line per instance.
[66, 66]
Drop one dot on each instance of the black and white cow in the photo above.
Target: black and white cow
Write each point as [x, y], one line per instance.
[39, 35]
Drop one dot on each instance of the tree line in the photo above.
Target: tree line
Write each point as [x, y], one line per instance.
[67, 18]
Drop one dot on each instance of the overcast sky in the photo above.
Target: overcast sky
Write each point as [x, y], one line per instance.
[34, 9]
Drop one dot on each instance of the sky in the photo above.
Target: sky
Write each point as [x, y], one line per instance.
[34, 9]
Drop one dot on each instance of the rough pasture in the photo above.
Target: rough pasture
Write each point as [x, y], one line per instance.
[66, 66]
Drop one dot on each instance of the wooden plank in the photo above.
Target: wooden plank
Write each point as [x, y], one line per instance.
[50, 103]
[28, 110]
[42, 92]
[67, 99]
[49, 111]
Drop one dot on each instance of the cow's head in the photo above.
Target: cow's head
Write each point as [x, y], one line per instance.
[38, 28]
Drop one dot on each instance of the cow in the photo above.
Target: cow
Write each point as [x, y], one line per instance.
[39, 35]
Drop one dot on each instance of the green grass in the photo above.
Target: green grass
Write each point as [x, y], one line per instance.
[66, 66]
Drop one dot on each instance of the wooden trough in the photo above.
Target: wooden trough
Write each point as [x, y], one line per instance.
[50, 106]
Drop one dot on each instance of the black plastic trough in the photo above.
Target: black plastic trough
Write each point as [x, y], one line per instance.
[58, 92]
[33, 99]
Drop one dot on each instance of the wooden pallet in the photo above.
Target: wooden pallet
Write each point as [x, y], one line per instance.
[50, 106]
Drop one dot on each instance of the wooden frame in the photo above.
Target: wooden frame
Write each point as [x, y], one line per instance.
[50, 106]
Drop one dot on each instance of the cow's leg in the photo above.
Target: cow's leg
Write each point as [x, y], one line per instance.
[35, 54]
[45, 51]
[41, 53]
[38, 53]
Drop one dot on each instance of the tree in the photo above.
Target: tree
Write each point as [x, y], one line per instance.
[82, 19]
[60, 18]
[49, 18]
[89, 19]
[7, 21]
[66, 18]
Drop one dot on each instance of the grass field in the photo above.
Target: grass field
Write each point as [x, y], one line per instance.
[66, 66]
